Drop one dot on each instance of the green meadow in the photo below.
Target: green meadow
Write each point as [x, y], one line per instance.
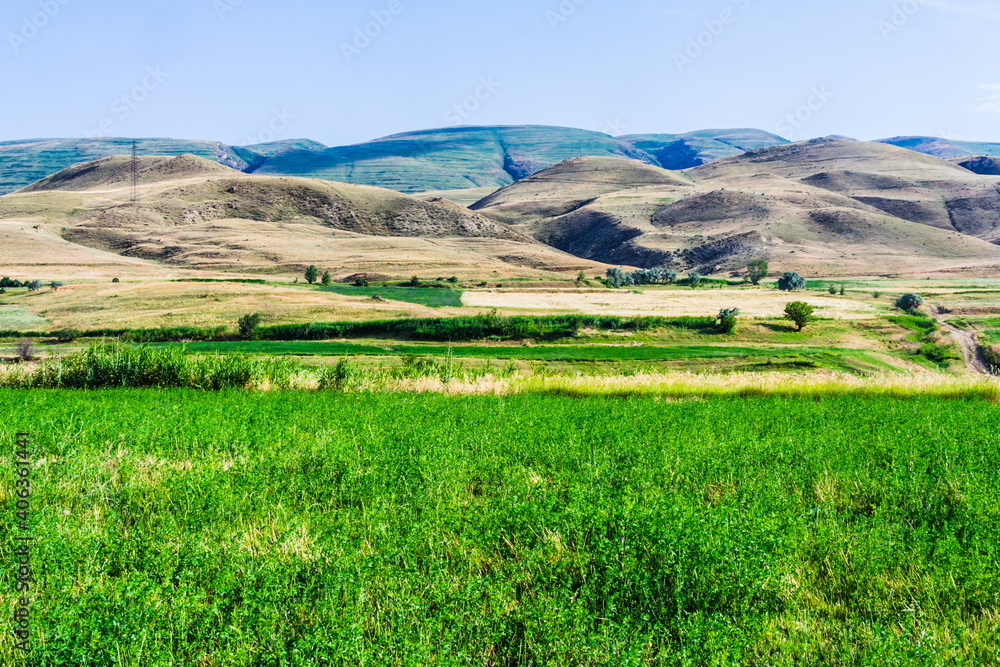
[312, 528]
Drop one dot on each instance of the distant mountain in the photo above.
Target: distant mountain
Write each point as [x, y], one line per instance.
[693, 149]
[452, 158]
[448, 160]
[945, 148]
[25, 162]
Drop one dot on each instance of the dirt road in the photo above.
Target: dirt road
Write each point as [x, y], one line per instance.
[967, 343]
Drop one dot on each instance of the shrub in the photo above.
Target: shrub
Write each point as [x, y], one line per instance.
[453, 280]
[413, 282]
[694, 279]
[832, 289]
[56, 284]
[361, 282]
[115, 280]
[727, 320]
[876, 295]
[791, 282]
[581, 277]
[910, 303]
[249, 326]
[757, 270]
[800, 313]
[24, 349]
[312, 274]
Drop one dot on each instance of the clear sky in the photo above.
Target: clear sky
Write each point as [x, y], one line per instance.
[240, 70]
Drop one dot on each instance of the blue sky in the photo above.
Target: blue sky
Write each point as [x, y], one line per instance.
[243, 70]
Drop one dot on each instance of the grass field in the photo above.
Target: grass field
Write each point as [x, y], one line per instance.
[435, 298]
[307, 529]
[15, 319]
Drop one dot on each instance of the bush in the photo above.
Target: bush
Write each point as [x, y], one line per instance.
[694, 279]
[453, 280]
[56, 284]
[876, 295]
[413, 282]
[727, 320]
[910, 303]
[115, 280]
[249, 326]
[800, 313]
[791, 282]
[832, 289]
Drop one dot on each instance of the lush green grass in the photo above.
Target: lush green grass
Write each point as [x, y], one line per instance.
[183, 528]
[538, 352]
[430, 296]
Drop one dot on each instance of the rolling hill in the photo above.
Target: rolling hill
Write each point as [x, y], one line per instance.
[825, 206]
[197, 214]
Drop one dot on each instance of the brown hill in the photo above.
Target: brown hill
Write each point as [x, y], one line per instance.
[822, 207]
[198, 214]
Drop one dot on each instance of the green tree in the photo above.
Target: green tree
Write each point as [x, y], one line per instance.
[799, 312]
[327, 279]
[312, 274]
[910, 302]
[757, 270]
[249, 326]
[582, 277]
[56, 284]
[791, 282]
[694, 279]
[414, 282]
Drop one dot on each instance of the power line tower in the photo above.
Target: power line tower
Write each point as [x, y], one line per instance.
[135, 173]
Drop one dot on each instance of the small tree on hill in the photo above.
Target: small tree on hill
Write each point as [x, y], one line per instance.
[327, 279]
[694, 279]
[33, 285]
[312, 274]
[800, 313]
[791, 282]
[56, 284]
[249, 326]
[757, 270]
[414, 282]
[910, 303]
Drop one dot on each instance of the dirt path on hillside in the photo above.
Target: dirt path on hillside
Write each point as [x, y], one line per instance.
[967, 342]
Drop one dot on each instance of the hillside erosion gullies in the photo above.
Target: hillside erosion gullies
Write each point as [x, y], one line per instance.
[198, 214]
[828, 206]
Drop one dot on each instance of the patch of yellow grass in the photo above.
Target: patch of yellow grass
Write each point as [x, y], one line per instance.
[672, 303]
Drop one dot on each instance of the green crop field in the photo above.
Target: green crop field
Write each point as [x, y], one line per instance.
[433, 297]
[176, 527]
